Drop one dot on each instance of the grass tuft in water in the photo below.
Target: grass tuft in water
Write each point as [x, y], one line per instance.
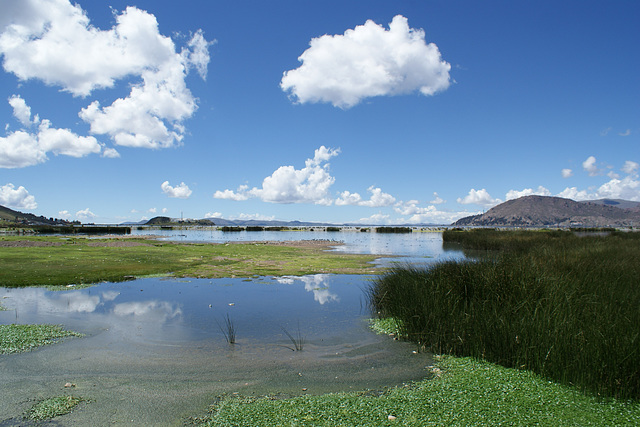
[228, 330]
[297, 340]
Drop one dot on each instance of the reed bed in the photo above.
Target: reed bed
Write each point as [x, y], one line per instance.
[563, 306]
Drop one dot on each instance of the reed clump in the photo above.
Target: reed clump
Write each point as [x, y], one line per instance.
[563, 306]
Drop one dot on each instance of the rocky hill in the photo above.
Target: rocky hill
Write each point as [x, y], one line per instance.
[542, 211]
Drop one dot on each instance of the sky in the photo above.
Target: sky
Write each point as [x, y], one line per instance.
[371, 112]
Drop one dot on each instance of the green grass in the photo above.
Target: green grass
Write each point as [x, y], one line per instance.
[80, 261]
[53, 407]
[21, 338]
[563, 306]
[461, 392]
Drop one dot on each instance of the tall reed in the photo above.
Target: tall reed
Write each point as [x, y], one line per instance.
[564, 306]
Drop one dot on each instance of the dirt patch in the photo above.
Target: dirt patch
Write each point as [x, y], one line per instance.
[27, 244]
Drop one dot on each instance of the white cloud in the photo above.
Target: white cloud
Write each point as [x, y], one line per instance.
[181, 191]
[213, 215]
[479, 197]
[625, 133]
[289, 185]
[437, 200]
[428, 214]
[18, 198]
[541, 191]
[26, 148]
[53, 41]
[378, 198]
[567, 173]
[589, 166]
[254, 217]
[630, 167]
[110, 153]
[85, 214]
[239, 195]
[378, 218]
[365, 62]
[21, 110]
[64, 214]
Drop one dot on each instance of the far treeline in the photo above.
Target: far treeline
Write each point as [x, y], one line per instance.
[562, 304]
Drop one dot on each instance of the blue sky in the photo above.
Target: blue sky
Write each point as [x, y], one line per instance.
[380, 112]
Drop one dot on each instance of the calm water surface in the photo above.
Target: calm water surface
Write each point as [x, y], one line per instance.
[155, 352]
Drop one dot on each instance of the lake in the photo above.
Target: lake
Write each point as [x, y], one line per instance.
[155, 348]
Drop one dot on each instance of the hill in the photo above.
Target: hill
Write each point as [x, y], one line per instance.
[543, 211]
[19, 218]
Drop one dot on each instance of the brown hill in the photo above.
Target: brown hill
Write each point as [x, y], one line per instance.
[537, 211]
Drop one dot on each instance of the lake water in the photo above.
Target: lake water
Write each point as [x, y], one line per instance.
[155, 350]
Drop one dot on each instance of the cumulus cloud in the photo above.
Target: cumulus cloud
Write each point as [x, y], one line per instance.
[567, 173]
[213, 215]
[437, 200]
[590, 167]
[367, 61]
[541, 191]
[85, 214]
[378, 198]
[18, 198]
[64, 214]
[479, 197]
[181, 191]
[28, 147]
[627, 188]
[289, 185]
[416, 214]
[54, 42]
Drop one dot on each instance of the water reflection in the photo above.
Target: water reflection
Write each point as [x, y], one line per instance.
[316, 283]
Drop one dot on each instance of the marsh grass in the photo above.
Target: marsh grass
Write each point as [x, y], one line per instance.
[298, 340]
[57, 261]
[228, 330]
[563, 306]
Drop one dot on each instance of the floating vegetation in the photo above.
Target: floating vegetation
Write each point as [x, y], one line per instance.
[21, 338]
[53, 407]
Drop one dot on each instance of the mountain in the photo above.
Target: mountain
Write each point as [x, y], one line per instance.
[543, 211]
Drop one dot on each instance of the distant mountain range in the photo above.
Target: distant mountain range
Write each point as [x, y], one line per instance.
[543, 211]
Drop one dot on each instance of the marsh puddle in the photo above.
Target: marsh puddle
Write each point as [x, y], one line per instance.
[155, 348]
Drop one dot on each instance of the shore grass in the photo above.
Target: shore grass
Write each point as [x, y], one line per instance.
[460, 392]
[560, 305]
[62, 261]
[22, 338]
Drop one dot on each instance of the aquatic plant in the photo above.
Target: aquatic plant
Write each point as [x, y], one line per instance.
[297, 340]
[551, 302]
[228, 330]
